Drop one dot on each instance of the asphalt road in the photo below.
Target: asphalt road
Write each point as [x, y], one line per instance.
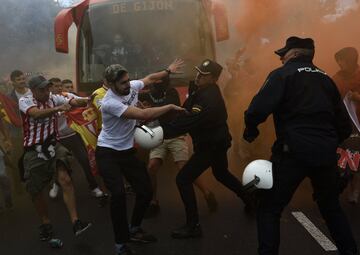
[228, 231]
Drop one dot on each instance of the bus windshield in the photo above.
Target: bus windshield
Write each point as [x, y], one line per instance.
[144, 36]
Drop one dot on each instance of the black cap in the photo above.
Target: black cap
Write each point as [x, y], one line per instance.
[38, 81]
[209, 67]
[294, 42]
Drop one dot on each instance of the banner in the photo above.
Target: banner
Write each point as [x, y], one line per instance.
[84, 121]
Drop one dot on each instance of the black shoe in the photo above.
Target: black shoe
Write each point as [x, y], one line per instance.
[187, 232]
[152, 211]
[125, 250]
[140, 236]
[211, 202]
[80, 226]
[46, 232]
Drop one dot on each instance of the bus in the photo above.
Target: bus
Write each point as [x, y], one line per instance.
[142, 35]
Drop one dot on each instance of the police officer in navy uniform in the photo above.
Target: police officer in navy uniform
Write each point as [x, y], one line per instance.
[310, 121]
[206, 124]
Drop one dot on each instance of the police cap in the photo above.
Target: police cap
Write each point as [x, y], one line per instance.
[294, 42]
[209, 67]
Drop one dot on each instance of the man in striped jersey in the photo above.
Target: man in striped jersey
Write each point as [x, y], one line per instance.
[44, 156]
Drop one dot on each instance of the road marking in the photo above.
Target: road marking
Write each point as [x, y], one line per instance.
[324, 242]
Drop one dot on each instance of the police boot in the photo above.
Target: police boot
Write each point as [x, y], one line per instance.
[187, 231]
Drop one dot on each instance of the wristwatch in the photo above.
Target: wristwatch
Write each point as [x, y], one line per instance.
[168, 71]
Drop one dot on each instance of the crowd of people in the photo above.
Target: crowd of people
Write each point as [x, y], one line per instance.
[315, 116]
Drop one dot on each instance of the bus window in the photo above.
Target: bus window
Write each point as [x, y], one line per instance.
[144, 36]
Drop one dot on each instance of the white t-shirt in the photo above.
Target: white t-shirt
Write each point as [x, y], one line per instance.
[27, 93]
[118, 133]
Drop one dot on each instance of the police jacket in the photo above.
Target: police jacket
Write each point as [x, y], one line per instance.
[205, 120]
[309, 116]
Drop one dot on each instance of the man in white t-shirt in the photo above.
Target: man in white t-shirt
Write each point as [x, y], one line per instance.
[18, 81]
[115, 155]
[44, 156]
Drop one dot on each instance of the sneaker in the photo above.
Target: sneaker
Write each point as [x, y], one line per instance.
[211, 202]
[53, 193]
[187, 232]
[46, 232]
[140, 236]
[125, 250]
[80, 226]
[97, 192]
[152, 211]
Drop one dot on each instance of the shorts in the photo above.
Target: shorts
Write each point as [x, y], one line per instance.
[40, 172]
[177, 146]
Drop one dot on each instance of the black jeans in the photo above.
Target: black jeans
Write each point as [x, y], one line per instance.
[76, 145]
[288, 173]
[216, 158]
[114, 166]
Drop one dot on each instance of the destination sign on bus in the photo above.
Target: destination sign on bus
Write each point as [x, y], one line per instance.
[141, 6]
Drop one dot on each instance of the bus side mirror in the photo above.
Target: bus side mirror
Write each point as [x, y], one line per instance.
[221, 21]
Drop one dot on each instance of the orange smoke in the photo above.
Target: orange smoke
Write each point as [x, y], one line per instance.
[261, 27]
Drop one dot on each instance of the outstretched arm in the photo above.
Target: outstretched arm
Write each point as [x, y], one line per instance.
[152, 113]
[154, 78]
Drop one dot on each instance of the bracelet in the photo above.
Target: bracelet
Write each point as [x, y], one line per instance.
[168, 71]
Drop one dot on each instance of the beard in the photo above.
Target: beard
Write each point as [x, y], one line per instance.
[123, 92]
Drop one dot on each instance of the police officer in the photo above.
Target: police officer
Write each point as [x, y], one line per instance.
[310, 122]
[206, 124]
[162, 94]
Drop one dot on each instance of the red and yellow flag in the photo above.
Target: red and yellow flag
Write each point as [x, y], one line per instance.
[8, 109]
[84, 121]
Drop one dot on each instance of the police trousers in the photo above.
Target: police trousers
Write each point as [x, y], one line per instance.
[213, 157]
[288, 173]
[114, 166]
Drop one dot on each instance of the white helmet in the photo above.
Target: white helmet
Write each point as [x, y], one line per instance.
[258, 175]
[148, 138]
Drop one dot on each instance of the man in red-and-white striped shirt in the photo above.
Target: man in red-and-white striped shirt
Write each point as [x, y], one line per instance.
[44, 156]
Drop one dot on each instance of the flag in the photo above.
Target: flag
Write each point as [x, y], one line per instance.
[8, 109]
[84, 121]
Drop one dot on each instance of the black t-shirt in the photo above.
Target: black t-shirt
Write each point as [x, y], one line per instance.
[157, 98]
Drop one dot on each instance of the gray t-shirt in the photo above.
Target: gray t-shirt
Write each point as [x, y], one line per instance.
[117, 132]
